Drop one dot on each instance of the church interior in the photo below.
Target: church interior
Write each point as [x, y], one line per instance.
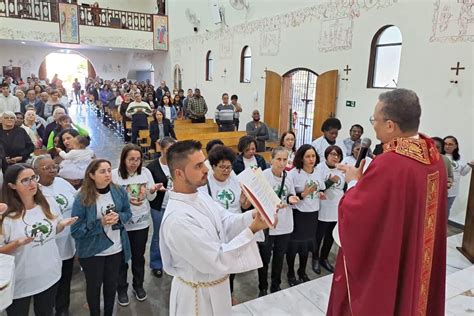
[295, 62]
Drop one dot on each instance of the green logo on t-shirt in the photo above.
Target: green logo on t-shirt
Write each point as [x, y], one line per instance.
[226, 197]
[284, 192]
[40, 230]
[309, 183]
[62, 202]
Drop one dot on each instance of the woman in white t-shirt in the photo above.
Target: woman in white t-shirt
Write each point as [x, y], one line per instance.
[335, 182]
[102, 243]
[288, 141]
[63, 193]
[307, 183]
[276, 242]
[141, 188]
[29, 228]
[223, 185]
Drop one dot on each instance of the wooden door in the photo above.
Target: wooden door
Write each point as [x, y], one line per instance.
[326, 96]
[285, 107]
[272, 100]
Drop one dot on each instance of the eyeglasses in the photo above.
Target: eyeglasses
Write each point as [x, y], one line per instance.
[334, 154]
[225, 168]
[372, 120]
[50, 168]
[27, 181]
[9, 118]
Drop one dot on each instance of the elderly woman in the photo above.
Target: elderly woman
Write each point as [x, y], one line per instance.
[33, 128]
[16, 143]
[63, 193]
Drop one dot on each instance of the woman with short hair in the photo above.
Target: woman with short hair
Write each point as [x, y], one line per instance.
[248, 158]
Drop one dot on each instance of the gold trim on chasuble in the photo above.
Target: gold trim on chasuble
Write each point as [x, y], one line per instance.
[416, 149]
[428, 239]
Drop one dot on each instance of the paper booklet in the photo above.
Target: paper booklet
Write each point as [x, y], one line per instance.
[260, 193]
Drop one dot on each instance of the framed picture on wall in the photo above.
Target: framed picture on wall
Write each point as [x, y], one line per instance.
[160, 32]
[68, 23]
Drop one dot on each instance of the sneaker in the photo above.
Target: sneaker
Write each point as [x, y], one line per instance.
[123, 298]
[140, 294]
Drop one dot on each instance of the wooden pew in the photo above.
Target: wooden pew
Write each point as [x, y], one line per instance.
[182, 135]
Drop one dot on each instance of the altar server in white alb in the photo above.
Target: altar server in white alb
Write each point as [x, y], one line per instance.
[201, 243]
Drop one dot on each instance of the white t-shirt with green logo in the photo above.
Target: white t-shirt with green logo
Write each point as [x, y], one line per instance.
[106, 203]
[37, 264]
[301, 179]
[63, 193]
[227, 193]
[138, 188]
[285, 215]
[250, 163]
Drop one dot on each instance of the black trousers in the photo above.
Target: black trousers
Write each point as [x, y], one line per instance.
[101, 270]
[277, 244]
[198, 120]
[135, 132]
[301, 248]
[324, 231]
[64, 287]
[138, 239]
[43, 304]
[126, 137]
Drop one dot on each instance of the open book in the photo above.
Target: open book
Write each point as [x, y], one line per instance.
[260, 193]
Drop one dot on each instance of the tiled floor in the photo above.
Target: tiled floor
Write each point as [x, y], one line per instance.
[311, 298]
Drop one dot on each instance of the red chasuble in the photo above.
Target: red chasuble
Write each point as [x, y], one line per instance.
[392, 227]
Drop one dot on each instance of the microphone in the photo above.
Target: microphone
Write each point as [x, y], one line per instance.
[364, 149]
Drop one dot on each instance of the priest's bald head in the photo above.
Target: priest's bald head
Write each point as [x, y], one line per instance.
[397, 114]
[186, 164]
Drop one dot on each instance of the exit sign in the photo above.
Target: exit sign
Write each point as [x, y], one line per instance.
[351, 104]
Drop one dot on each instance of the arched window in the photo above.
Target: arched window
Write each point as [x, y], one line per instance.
[209, 66]
[385, 53]
[246, 65]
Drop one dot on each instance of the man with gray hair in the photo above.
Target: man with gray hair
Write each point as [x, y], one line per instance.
[392, 221]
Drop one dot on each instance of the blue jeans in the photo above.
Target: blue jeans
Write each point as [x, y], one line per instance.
[450, 203]
[155, 254]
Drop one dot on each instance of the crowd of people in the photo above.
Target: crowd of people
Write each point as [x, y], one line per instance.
[66, 202]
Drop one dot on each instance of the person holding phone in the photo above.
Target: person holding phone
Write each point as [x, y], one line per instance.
[141, 188]
[307, 182]
[278, 238]
[29, 228]
[102, 243]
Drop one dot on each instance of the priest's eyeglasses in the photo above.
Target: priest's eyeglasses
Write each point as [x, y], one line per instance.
[26, 181]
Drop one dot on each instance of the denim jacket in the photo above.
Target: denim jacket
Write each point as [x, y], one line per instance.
[88, 231]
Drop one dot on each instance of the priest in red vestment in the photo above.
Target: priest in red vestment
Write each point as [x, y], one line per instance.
[392, 222]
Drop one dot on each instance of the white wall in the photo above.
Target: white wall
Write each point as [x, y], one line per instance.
[292, 39]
